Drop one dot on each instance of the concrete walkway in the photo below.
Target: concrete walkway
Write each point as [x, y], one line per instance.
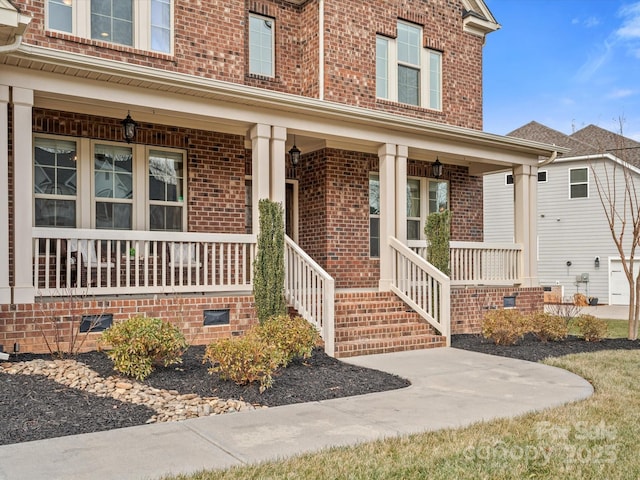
[450, 388]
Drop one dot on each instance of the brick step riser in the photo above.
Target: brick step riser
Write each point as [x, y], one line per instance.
[359, 321]
[386, 335]
[375, 347]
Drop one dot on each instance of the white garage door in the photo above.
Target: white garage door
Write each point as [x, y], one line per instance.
[618, 285]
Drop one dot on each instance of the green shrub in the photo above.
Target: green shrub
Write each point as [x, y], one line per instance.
[591, 328]
[504, 327]
[547, 327]
[140, 343]
[437, 231]
[244, 360]
[294, 336]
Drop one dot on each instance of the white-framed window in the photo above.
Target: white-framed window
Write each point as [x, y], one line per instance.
[579, 182]
[261, 45]
[126, 186]
[542, 177]
[374, 215]
[55, 182]
[146, 25]
[424, 197]
[406, 72]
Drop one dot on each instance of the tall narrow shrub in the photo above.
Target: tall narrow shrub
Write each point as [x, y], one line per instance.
[268, 267]
[437, 231]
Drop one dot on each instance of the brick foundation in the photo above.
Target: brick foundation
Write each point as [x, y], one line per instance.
[469, 305]
[29, 324]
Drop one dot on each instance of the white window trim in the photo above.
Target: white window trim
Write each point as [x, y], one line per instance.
[81, 24]
[546, 176]
[272, 74]
[149, 202]
[425, 69]
[587, 183]
[371, 176]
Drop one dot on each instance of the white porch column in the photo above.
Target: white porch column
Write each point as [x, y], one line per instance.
[278, 165]
[401, 193]
[387, 171]
[260, 164]
[525, 181]
[23, 290]
[5, 289]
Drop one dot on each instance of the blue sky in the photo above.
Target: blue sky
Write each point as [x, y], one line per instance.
[563, 63]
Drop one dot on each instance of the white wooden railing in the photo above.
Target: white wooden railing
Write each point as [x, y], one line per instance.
[106, 262]
[477, 263]
[311, 291]
[422, 286]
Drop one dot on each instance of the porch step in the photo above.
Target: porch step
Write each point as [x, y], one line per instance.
[379, 322]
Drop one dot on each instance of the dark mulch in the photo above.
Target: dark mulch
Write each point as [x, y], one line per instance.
[34, 408]
[531, 349]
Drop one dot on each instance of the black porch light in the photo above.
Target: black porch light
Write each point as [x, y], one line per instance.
[129, 128]
[294, 154]
[436, 168]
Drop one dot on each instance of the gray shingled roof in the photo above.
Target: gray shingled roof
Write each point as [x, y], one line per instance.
[591, 140]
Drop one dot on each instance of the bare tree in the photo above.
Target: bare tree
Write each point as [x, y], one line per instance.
[618, 195]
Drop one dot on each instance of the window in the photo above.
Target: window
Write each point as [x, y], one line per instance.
[166, 196]
[578, 183]
[261, 46]
[146, 25]
[542, 177]
[113, 187]
[424, 197]
[406, 72]
[374, 215]
[55, 183]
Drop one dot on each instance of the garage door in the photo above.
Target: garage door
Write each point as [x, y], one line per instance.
[618, 285]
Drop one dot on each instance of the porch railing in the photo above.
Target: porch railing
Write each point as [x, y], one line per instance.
[477, 263]
[105, 262]
[422, 286]
[311, 291]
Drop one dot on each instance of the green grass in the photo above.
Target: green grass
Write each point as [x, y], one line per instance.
[617, 328]
[594, 439]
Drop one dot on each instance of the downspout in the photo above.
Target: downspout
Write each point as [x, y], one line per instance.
[321, 49]
[549, 160]
[12, 46]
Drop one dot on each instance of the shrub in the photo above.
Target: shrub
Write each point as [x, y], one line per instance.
[244, 360]
[294, 336]
[504, 327]
[591, 328]
[140, 343]
[580, 300]
[547, 327]
[437, 231]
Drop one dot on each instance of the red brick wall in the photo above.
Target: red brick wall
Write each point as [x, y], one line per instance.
[211, 41]
[469, 305]
[29, 324]
[215, 163]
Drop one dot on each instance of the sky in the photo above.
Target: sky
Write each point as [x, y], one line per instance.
[563, 63]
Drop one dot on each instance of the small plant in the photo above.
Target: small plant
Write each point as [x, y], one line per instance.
[140, 343]
[244, 360]
[568, 311]
[504, 327]
[294, 336]
[580, 300]
[591, 328]
[437, 231]
[546, 326]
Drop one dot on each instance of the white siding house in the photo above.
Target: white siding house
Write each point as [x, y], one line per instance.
[575, 247]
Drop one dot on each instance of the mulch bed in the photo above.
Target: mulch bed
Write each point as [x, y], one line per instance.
[34, 408]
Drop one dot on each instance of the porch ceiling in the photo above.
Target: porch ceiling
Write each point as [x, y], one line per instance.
[112, 88]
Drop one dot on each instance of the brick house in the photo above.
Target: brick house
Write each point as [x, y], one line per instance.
[367, 96]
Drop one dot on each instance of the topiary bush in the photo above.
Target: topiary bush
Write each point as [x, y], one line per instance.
[294, 336]
[244, 360]
[591, 328]
[438, 231]
[504, 327]
[546, 326]
[140, 343]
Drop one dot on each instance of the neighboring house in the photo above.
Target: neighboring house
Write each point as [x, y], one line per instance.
[339, 109]
[575, 248]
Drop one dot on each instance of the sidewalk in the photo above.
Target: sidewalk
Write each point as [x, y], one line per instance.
[450, 388]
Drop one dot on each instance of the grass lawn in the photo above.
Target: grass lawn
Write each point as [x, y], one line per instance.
[594, 439]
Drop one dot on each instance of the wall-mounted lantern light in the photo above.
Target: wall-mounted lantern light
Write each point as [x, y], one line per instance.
[436, 169]
[129, 128]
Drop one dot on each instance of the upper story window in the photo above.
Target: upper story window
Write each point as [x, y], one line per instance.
[261, 45]
[578, 183]
[406, 72]
[142, 24]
